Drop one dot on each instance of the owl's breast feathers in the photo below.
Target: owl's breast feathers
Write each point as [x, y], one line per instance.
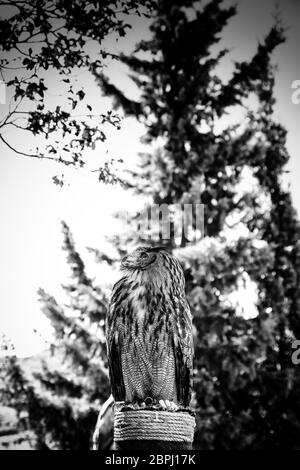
[149, 339]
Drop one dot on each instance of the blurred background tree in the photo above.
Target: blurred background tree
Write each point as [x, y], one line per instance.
[242, 276]
[63, 396]
[245, 383]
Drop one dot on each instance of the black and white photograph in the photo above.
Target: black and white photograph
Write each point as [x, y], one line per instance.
[150, 227]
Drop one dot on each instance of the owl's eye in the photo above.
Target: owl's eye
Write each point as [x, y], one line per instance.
[144, 255]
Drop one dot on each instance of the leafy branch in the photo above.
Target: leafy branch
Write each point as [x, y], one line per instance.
[42, 38]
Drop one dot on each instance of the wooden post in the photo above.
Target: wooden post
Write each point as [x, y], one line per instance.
[160, 425]
[153, 429]
[152, 445]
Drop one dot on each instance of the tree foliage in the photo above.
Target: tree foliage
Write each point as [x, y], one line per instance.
[44, 43]
[63, 397]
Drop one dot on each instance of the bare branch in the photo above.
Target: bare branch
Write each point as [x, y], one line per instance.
[23, 153]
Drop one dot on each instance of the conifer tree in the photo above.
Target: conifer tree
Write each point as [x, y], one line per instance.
[63, 399]
[246, 385]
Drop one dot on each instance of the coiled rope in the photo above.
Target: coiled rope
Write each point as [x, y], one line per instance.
[153, 424]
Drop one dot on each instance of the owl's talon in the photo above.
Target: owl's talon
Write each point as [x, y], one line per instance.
[163, 404]
[174, 406]
[133, 406]
[168, 405]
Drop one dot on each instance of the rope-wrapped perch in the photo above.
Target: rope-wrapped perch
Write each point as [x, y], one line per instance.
[151, 424]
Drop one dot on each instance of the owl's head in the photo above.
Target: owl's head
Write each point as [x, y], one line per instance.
[141, 258]
[156, 261]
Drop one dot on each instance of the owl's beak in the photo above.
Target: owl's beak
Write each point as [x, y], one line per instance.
[127, 261]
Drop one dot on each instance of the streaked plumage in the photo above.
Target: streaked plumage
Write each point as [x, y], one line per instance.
[149, 330]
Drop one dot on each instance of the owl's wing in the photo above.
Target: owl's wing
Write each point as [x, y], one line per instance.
[114, 341]
[115, 369]
[183, 352]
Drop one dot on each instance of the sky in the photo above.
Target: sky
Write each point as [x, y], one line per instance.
[31, 206]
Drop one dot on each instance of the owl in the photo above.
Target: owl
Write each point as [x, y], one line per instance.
[149, 332]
